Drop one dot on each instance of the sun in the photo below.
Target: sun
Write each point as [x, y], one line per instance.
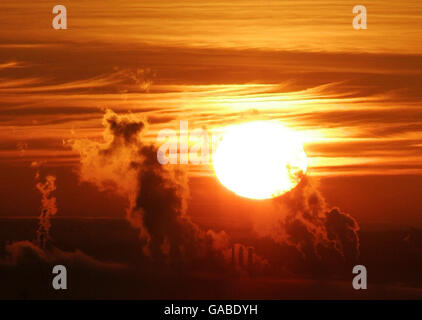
[260, 159]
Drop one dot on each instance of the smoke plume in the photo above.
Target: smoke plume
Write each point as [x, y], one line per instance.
[48, 205]
[302, 219]
[157, 198]
[156, 194]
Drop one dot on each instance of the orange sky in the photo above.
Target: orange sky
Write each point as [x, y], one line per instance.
[354, 95]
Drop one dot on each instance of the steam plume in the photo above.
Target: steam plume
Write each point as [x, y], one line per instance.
[302, 219]
[156, 194]
[48, 209]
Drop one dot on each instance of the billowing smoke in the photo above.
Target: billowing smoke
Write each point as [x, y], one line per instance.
[42, 253]
[156, 194]
[157, 199]
[302, 219]
[48, 205]
[48, 209]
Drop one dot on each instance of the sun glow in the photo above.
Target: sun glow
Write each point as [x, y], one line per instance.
[259, 160]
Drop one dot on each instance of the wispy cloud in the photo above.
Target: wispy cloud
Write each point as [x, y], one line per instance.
[215, 63]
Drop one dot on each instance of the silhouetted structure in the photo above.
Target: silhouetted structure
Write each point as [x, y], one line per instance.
[250, 257]
[241, 256]
[233, 255]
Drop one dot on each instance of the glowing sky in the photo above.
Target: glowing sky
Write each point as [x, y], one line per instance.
[354, 95]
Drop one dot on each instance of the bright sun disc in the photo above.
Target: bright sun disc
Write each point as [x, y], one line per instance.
[259, 160]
